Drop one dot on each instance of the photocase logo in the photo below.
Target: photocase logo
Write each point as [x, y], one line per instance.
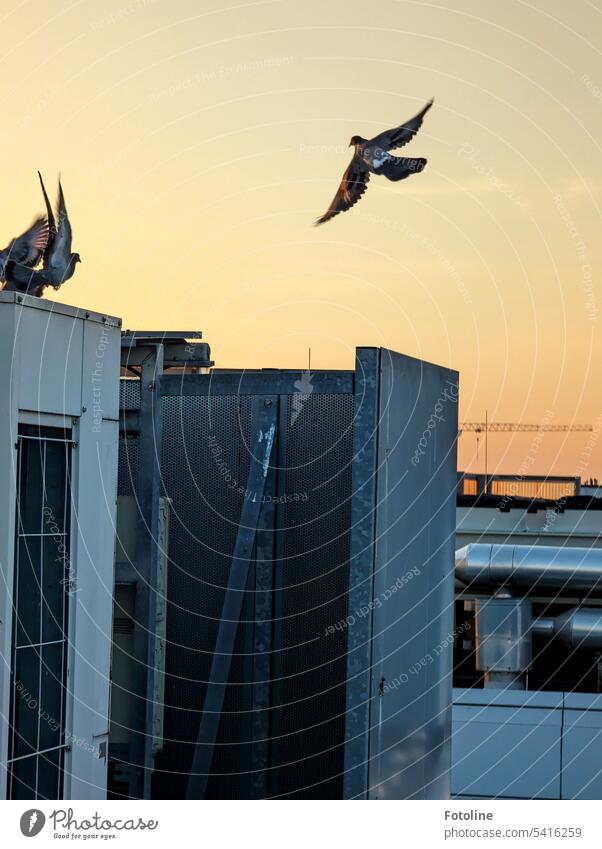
[32, 822]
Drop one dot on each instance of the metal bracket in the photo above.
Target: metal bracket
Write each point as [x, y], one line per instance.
[148, 495]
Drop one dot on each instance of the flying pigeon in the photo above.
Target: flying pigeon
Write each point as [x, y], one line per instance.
[372, 157]
[18, 260]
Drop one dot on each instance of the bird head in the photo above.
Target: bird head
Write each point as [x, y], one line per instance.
[355, 140]
[76, 258]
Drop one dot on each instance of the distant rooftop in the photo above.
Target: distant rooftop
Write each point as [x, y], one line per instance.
[534, 487]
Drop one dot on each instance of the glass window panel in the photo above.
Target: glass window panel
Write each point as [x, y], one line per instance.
[49, 774]
[51, 698]
[26, 701]
[42, 558]
[55, 481]
[23, 785]
[53, 587]
[44, 432]
[28, 599]
[30, 487]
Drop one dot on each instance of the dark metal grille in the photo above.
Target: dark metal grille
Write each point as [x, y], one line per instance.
[314, 569]
[129, 393]
[41, 592]
[205, 466]
[129, 399]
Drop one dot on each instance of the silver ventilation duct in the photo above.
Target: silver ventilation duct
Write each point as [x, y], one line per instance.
[529, 566]
[503, 640]
[580, 628]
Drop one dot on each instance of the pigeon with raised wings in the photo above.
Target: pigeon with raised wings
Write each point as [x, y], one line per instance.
[372, 156]
[58, 262]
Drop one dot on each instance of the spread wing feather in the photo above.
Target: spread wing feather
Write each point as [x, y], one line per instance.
[27, 249]
[398, 136]
[353, 185]
[52, 228]
[62, 248]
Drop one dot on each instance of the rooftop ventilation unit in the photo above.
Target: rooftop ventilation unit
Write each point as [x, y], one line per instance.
[59, 380]
[310, 582]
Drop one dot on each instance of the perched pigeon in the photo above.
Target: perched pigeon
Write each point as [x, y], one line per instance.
[18, 260]
[372, 156]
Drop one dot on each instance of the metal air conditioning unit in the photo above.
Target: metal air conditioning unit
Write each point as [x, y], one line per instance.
[59, 380]
[310, 584]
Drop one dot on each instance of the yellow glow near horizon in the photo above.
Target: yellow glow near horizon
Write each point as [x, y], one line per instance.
[198, 143]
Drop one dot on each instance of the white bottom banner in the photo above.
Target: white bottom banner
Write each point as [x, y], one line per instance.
[305, 824]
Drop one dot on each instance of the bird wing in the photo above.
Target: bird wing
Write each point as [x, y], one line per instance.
[52, 228]
[27, 249]
[62, 243]
[353, 185]
[397, 137]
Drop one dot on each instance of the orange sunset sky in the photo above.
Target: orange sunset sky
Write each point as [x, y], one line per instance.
[198, 141]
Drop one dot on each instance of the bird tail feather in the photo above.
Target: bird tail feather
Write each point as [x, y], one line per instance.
[398, 167]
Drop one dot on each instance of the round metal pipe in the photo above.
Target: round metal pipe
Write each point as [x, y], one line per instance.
[583, 628]
[580, 628]
[544, 626]
[530, 566]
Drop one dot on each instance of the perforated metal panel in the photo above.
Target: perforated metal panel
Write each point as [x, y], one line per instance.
[129, 394]
[204, 466]
[283, 726]
[314, 569]
[129, 399]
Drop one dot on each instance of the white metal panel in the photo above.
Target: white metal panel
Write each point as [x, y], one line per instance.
[517, 526]
[413, 582]
[506, 752]
[94, 542]
[49, 354]
[56, 308]
[101, 361]
[582, 752]
[49, 347]
[9, 374]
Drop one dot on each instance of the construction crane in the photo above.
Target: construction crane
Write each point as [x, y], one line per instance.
[488, 427]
